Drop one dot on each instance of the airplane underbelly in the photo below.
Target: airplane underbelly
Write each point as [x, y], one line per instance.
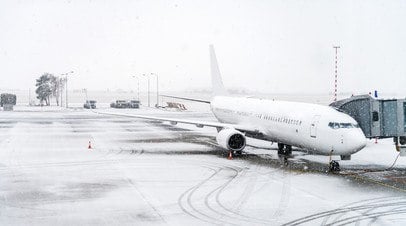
[287, 135]
[300, 137]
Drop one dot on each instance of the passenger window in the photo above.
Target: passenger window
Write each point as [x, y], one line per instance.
[375, 116]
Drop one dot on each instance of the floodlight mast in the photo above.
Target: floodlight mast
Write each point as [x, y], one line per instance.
[66, 86]
[336, 75]
[138, 86]
[157, 89]
[148, 90]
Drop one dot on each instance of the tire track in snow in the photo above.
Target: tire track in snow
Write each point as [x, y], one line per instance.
[356, 208]
[215, 211]
[228, 212]
[184, 200]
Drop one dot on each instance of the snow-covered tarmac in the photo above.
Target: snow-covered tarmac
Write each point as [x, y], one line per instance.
[142, 172]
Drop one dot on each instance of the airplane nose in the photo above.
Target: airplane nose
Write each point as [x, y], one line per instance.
[357, 141]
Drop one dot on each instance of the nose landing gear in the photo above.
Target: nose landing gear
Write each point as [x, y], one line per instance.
[334, 166]
[284, 149]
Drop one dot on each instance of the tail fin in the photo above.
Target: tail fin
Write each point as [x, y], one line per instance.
[217, 83]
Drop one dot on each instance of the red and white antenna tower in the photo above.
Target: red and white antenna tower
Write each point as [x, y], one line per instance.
[335, 81]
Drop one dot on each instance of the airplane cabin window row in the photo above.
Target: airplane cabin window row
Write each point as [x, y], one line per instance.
[281, 119]
[263, 116]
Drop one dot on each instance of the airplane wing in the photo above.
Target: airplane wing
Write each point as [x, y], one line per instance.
[199, 124]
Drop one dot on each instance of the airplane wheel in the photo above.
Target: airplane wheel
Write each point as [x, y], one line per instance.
[281, 148]
[334, 166]
[288, 150]
[284, 149]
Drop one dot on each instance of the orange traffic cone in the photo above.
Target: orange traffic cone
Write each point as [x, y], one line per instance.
[90, 145]
[230, 155]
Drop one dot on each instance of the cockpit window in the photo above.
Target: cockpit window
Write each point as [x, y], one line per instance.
[336, 125]
[346, 125]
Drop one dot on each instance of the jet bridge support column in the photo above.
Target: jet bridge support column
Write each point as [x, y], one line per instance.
[400, 143]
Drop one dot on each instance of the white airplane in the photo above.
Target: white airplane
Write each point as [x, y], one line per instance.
[317, 128]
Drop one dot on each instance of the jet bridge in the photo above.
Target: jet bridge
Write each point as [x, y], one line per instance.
[378, 118]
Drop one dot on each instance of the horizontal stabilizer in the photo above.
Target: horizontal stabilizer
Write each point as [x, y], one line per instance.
[190, 99]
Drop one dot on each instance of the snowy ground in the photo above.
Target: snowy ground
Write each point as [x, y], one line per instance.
[147, 173]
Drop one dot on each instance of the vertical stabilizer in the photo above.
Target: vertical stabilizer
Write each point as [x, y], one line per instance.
[217, 83]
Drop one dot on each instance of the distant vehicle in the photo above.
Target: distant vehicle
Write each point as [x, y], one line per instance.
[125, 104]
[7, 98]
[134, 104]
[120, 104]
[90, 104]
[7, 101]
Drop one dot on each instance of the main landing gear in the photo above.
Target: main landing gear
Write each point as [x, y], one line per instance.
[334, 166]
[284, 149]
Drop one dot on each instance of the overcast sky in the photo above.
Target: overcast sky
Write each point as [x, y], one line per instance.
[267, 46]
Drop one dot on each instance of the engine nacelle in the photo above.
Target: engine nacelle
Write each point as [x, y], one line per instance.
[231, 139]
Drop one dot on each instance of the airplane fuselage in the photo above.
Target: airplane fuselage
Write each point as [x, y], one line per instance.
[313, 127]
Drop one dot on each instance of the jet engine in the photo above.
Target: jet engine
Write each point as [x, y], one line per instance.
[231, 139]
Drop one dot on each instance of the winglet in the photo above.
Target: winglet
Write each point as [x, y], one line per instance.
[216, 81]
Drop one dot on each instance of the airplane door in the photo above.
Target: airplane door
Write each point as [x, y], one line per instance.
[313, 126]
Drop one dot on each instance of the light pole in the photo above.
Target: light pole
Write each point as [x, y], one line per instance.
[138, 87]
[61, 85]
[85, 90]
[157, 90]
[66, 81]
[148, 90]
[60, 89]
